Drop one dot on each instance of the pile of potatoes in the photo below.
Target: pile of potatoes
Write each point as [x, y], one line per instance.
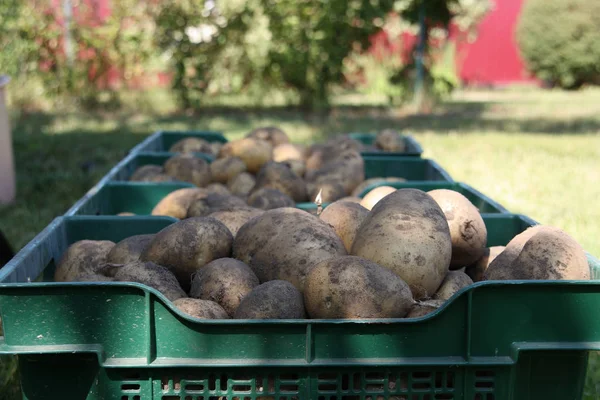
[403, 258]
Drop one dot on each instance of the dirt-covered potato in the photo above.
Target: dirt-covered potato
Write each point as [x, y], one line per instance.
[92, 277]
[371, 181]
[146, 172]
[241, 185]
[352, 287]
[129, 249]
[476, 270]
[348, 168]
[320, 154]
[234, 219]
[212, 203]
[216, 148]
[217, 188]
[286, 243]
[192, 145]
[254, 152]
[176, 203]
[279, 176]
[188, 245]
[147, 273]
[202, 309]
[375, 196]
[225, 281]
[408, 233]
[298, 166]
[345, 217]
[225, 169]
[390, 140]
[423, 308]
[275, 299]
[467, 229]
[452, 283]
[188, 168]
[84, 256]
[330, 191]
[542, 253]
[288, 151]
[272, 134]
[268, 199]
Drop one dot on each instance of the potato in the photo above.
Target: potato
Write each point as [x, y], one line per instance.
[225, 281]
[351, 199]
[288, 151]
[216, 148]
[187, 245]
[348, 169]
[375, 195]
[452, 283]
[160, 178]
[92, 277]
[372, 181]
[476, 270]
[275, 136]
[125, 214]
[218, 188]
[279, 176]
[187, 168]
[176, 203]
[297, 166]
[225, 169]
[202, 309]
[241, 185]
[268, 199]
[146, 172]
[192, 145]
[84, 256]
[254, 152]
[548, 254]
[390, 140]
[352, 287]
[147, 273]
[286, 243]
[330, 191]
[423, 308]
[272, 300]
[234, 219]
[345, 217]
[129, 249]
[214, 202]
[408, 233]
[467, 229]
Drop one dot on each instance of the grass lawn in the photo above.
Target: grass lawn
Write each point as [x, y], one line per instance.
[536, 152]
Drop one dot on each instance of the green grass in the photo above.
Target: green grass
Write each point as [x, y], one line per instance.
[536, 152]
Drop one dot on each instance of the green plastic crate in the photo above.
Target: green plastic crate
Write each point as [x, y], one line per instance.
[162, 141]
[513, 340]
[413, 148]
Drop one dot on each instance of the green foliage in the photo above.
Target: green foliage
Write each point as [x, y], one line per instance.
[559, 41]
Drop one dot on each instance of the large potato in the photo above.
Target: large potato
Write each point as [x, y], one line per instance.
[345, 217]
[348, 168]
[452, 283]
[279, 176]
[235, 219]
[476, 270]
[192, 145]
[352, 287]
[467, 229]
[242, 184]
[254, 152]
[375, 196]
[225, 169]
[176, 203]
[187, 245]
[129, 249]
[286, 243]
[288, 151]
[202, 309]
[214, 202]
[330, 191]
[84, 256]
[272, 300]
[390, 140]
[268, 199]
[188, 168]
[225, 281]
[408, 233]
[541, 252]
[272, 134]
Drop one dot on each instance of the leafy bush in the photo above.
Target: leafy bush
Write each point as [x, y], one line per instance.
[559, 42]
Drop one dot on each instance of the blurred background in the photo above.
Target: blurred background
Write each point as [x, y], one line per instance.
[502, 93]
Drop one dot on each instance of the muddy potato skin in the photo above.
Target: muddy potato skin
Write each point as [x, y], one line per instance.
[548, 254]
[225, 281]
[390, 140]
[279, 176]
[275, 299]
[242, 184]
[214, 202]
[176, 203]
[476, 270]
[202, 309]
[358, 191]
[285, 244]
[146, 172]
[352, 287]
[235, 219]
[224, 169]
[187, 168]
[467, 229]
[254, 152]
[375, 196]
[269, 199]
[129, 249]
[188, 245]
[92, 277]
[453, 282]
[151, 274]
[423, 308]
[84, 256]
[348, 169]
[272, 134]
[345, 217]
[408, 233]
